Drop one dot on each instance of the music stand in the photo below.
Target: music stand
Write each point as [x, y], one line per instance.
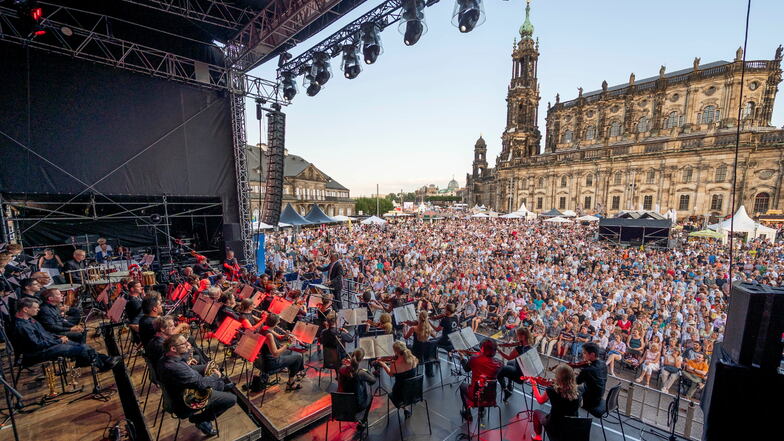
[248, 349]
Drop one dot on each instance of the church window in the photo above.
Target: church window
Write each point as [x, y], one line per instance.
[647, 202]
[615, 128]
[616, 202]
[721, 173]
[587, 204]
[567, 136]
[562, 202]
[709, 114]
[563, 181]
[761, 203]
[618, 178]
[642, 125]
[590, 133]
[541, 182]
[538, 203]
[589, 180]
[748, 109]
[683, 202]
[671, 121]
[716, 202]
[687, 174]
[650, 178]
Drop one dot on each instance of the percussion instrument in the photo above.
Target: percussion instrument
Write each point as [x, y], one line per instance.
[96, 286]
[148, 278]
[69, 291]
[117, 276]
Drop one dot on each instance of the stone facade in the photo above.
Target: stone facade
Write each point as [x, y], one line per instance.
[660, 143]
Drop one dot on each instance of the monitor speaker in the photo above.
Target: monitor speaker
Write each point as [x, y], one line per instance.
[755, 324]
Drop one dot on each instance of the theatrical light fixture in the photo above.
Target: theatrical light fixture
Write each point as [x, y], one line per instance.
[322, 71]
[371, 42]
[351, 65]
[312, 87]
[284, 58]
[289, 85]
[412, 24]
[468, 14]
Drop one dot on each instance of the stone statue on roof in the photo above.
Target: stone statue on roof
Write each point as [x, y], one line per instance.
[631, 79]
[739, 54]
[662, 69]
[778, 52]
[697, 63]
[604, 86]
[579, 92]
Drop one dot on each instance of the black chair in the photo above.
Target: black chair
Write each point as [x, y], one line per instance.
[332, 361]
[609, 405]
[570, 429]
[430, 358]
[487, 398]
[412, 393]
[345, 410]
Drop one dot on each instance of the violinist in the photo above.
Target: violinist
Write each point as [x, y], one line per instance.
[592, 377]
[230, 266]
[274, 356]
[422, 331]
[384, 323]
[227, 310]
[564, 397]
[483, 366]
[447, 325]
[352, 379]
[401, 368]
[511, 372]
[246, 316]
[333, 338]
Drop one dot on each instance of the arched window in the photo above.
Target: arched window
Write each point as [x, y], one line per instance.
[650, 178]
[541, 182]
[567, 136]
[671, 121]
[748, 109]
[589, 180]
[642, 125]
[618, 178]
[761, 203]
[687, 173]
[563, 181]
[721, 173]
[709, 114]
[716, 202]
[615, 128]
[590, 133]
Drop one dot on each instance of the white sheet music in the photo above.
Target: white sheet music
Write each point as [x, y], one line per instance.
[379, 346]
[289, 314]
[405, 313]
[353, 317]
[530, 363]
[463, 339]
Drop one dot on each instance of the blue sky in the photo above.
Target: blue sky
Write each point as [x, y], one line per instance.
[413, 117]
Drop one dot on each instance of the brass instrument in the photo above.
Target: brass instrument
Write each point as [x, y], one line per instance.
[73, 373]
[50, 380]
[197, 399]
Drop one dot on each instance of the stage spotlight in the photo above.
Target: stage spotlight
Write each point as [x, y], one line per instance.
[322, 71]
[289, 85]
[412, 24]
[284, 58]
[351, 65]
[468, 14]
[312, 87]
[371, 42]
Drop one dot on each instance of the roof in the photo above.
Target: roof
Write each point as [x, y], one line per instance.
[317, 216]
[640, 223]
[290, 216]
[293, 165]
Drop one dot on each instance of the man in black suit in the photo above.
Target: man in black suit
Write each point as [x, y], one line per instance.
[335, 278]
[75, 268]
[52, 319]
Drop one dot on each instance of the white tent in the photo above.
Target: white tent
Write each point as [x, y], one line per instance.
[283, 225]
[394, 213]
[588, 218]
[522, 208]
[569, 213]
[742, 223]
[260, 226]
[341, 218]
[558, 220]
[479, 215]
[374, 220]
[513, 215]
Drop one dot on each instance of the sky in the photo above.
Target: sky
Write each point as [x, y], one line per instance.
[412, 118]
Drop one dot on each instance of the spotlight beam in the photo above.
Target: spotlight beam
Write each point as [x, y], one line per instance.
[384, 15]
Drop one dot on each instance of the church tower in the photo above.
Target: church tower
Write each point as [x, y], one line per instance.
[480, 158]
[521, 137]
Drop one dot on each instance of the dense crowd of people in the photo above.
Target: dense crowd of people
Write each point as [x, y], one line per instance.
[654, 312]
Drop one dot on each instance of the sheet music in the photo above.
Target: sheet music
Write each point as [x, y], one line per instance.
[463, 339]
[305, 332]
[530, 363]
[457, 341]
[314, 301]
[405, 313]
[469, 337]
[353, 317]
[278, 305]
[289, 314]
[117, 309]
[377, 315]
[249, 346]
[246, 292]
[379, 346]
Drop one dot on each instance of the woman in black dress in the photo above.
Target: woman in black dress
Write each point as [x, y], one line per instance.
[563, 396]
[352, 379]
[402, 368]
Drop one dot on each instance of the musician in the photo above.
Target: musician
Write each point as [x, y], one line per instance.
[335, 274]
[274, 356]
[38, 344]
[402, 367]
[50, 260]
[152, 308]
[384, 323]
[352, 379]
[227, 310]
[483, 366]
[422, 332]
[592, 377]
[511, 372]
[103, 251]
[28, 288]
[447, 325]
[51, 317]
[133, 309]
[230, 266]
[202, 268]
[564, 397]
[176, 375]
[165, 327]
[19, 264]
[76, 267]
[42, 278]
[334, 338]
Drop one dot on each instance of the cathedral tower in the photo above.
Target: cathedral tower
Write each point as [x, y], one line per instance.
[480, 158]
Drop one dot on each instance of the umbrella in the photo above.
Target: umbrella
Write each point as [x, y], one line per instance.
[707, 233]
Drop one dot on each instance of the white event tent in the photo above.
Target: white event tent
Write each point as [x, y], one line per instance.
[742, 223]
[374, 220]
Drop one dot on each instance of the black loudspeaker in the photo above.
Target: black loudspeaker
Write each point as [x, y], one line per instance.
[231, 232]
[273, 193]
[755, 324]
[740, 402]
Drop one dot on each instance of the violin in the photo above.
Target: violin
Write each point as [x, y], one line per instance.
[577, 365]
[544, 382]
[387, 359]
[466, 352]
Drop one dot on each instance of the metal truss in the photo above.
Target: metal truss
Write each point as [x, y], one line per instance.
[93, 42]
[241, 169]
[214, 12]
[383, 15]
[273, 26]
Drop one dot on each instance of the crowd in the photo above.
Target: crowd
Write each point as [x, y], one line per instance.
[653, 312]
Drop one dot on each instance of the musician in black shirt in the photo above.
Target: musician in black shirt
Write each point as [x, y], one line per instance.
[335, 273]
[447, 325]
[51, 318]
[564, 396]
[592, 377]
[511, 372]
[75, 267]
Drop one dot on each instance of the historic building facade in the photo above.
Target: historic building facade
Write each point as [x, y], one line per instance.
[303, 184]
[660, 143]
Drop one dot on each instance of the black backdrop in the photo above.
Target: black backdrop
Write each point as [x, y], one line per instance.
[90, 119]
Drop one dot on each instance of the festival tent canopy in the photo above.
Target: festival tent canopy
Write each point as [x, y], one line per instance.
[742, 223]
[284, 225]
[558, 220]
[260, 226]
[290, 216]
[707, 233]
[373, 220]
[341, 218]
[394, 213]
[569, 213]
[522, 208]
[552, 213]
[514, 215]
[588, 218]
[317, 216]
[479, 215]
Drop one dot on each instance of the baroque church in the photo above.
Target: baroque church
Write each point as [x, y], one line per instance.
[659, 143]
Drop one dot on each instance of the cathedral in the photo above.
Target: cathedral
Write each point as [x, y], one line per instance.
[659, 143]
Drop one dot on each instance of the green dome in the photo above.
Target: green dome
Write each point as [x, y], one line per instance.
[527, 29]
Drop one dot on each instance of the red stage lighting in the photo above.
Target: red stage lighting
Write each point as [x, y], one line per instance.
[36, 13]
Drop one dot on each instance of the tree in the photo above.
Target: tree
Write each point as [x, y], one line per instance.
[368, 206]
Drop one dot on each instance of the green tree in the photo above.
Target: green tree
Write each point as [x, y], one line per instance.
[368, 206]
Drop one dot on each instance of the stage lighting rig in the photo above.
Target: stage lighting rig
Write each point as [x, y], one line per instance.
[322, 71]
[312, 87]
[412, 24]
[289, 85]
[371, 42]
[351, 65]
[468, 14]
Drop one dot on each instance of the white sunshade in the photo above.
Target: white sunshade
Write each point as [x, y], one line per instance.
[558, 220]
[588, 218]
[341, 218]
[569, 213]
[375, 220]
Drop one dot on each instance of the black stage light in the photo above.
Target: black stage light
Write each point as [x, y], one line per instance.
[284, 58]
[371, 42]
[322, 71]
[312, 87]
[351, 65]
[412, 23]
[289, 85]
[468, 14]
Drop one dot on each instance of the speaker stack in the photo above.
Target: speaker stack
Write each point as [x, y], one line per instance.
[744, 391]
